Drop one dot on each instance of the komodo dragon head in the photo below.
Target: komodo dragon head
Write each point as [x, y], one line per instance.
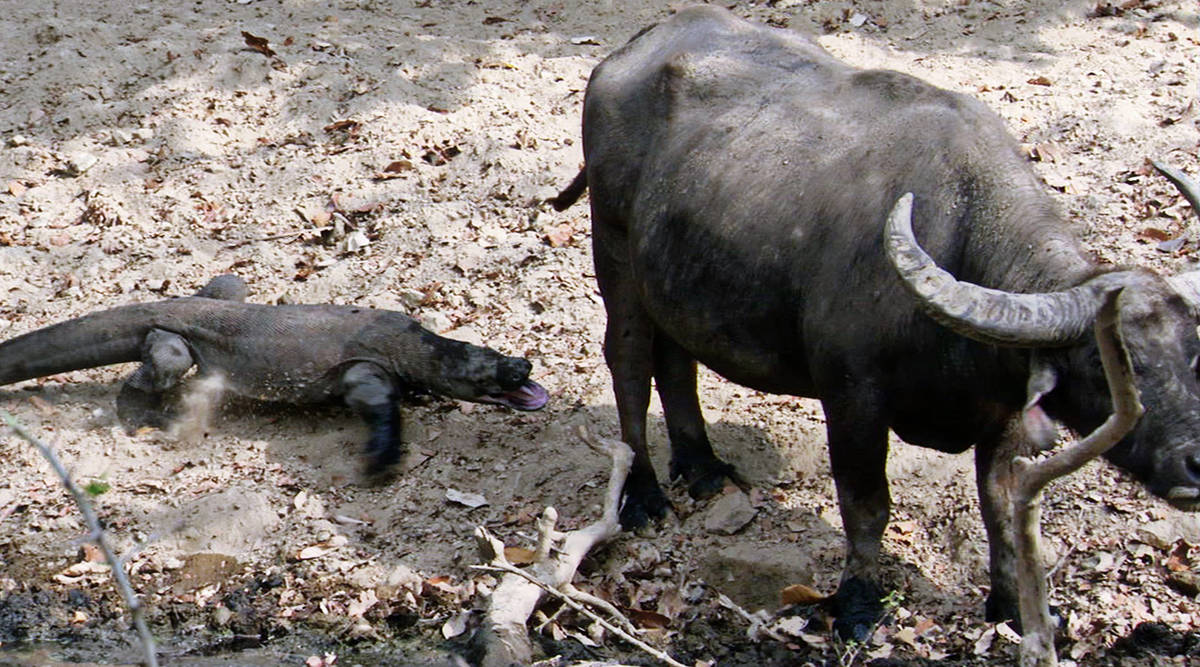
[460, 370]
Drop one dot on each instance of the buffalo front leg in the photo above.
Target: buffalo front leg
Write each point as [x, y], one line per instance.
[627, 345]
[165, 360]
[692, 457]
[996, 481]
[368, 390]
[628, 350]
[858, 453]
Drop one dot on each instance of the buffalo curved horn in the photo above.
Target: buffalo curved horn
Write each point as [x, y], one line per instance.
[1186, 284]
[1051, 319]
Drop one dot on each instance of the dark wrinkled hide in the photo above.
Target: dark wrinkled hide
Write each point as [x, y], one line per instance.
[740, 178]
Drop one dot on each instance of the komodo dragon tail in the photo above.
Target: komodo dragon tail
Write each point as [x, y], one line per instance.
[572, 193]
[99, 339]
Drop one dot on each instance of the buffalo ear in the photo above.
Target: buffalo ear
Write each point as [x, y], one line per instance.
[1039, 428]
[1042, 380]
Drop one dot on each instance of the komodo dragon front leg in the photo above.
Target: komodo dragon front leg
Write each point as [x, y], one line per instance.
[165, 360]
[370, 392]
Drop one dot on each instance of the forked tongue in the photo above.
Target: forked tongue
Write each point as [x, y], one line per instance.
[529, 396]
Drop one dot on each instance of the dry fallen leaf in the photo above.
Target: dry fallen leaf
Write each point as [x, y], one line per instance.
[92, 553]
[394, 170]
[456, 625]
[42, 406]
[559, 236]
[259, 44]
[646, 619]
[801, 595]
[366, 600]
[322, 548]
[519, 555]
[467, 498]
[342, 126]
[1154, 234]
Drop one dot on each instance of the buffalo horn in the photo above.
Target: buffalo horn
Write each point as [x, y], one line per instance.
[1186, 186]
[1186, 284]
[989, 315]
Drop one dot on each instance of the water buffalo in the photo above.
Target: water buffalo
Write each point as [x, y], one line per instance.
[740, 179]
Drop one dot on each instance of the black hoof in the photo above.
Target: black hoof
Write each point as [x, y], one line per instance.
[705, 479]
[857, 609]
[644, 505]
[377, 473]
[1000, 607]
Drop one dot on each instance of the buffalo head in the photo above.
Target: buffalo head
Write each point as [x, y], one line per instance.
[1158, 319]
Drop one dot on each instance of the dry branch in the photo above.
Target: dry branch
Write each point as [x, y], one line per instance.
[1032, 475]
[97, 535]
[503, 638]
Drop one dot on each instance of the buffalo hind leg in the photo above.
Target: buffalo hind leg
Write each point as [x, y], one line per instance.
[368, 391]
[142, 400]
[858, 453]
[692, 457]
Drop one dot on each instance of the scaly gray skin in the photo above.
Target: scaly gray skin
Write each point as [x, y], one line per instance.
[296, 354]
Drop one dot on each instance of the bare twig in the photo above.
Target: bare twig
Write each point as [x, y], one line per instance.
[504, 638]
[97, 535]
[1037, 642]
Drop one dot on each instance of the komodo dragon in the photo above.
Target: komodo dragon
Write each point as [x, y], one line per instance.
[295, 354]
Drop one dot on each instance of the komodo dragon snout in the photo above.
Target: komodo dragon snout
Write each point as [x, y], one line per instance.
[297, 354]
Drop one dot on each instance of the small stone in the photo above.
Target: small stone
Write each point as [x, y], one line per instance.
[729, 514]
[221, 616]
[143, 133]
[437, 322]
[411, 298]
[79, 162]
[1163, 534]
[120, 136]
[1187, 583]
[17, 140]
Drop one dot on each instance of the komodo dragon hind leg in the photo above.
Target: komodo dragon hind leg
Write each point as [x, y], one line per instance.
[368, 390]
[165, 360]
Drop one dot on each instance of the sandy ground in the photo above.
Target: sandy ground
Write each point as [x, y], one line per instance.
[396, 155]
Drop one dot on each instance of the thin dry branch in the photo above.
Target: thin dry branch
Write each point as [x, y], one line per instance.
[1037, 643]
[96, 534]
[504, 638]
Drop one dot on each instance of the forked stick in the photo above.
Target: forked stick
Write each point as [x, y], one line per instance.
[503, 637]
[1032, 475]
[96, 534]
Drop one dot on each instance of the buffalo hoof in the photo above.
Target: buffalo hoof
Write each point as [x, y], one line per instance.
[857, 609]
[704, 478]
[1005, 607]
[644, 504]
